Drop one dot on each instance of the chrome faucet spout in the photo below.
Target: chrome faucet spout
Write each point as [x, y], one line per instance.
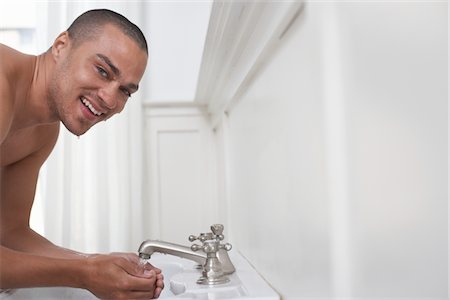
[149, 247]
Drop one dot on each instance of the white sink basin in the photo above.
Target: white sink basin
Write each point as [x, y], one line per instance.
[180, 277]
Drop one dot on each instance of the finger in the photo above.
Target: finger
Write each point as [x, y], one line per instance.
[141, 284]
[130, 267]
[160, 282]
[132, 257]
[158, 292]
[150, 273]
[152, 267]
[146, 274]
[136, 269]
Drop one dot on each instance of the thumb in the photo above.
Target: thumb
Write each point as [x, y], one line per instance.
[138, 270]
[149, 273]
[132, 268]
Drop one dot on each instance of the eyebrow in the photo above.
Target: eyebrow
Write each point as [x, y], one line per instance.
[115, 70]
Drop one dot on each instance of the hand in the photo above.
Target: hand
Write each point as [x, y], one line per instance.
[159, 278]
[147, 268]
[120, 276]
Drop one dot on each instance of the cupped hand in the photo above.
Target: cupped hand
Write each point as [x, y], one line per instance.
[147, 267]
[121, 276]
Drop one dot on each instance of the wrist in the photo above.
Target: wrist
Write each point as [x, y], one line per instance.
[80, 271]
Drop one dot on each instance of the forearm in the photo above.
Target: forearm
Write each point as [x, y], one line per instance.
[19, 269]
[27, 240]
[106, 276]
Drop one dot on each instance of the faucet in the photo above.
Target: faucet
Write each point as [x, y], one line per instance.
[149, 247]
[214, 258]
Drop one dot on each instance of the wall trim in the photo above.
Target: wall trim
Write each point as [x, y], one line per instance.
[240, 36]
[174, 109]
[170, 104]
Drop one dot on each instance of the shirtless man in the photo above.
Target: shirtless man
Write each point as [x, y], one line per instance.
[84, 78]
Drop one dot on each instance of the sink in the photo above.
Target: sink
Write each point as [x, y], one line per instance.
[180, 277]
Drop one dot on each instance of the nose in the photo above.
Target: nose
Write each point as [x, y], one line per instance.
[108, 95]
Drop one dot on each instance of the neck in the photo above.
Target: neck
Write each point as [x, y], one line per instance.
[36, 109]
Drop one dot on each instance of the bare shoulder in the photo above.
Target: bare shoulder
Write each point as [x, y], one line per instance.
[7, 58]
[7, 55]
[6, 105]
[9, 61]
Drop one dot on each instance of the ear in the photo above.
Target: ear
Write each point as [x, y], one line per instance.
[60, 45]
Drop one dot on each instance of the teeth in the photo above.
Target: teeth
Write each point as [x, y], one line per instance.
[89, 105]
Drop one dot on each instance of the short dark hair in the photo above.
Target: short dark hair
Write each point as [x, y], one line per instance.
[88, 24]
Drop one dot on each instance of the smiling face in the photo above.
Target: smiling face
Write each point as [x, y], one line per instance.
[93, 80]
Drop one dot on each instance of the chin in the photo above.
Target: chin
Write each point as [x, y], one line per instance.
[76, 130]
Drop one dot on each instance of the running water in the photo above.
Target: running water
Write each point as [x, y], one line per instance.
[143, 261]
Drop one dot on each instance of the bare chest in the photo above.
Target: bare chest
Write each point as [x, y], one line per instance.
[19, 145]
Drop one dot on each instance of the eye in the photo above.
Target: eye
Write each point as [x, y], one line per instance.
[126, 92]
[102, 72]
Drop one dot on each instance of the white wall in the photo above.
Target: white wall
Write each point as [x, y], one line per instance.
[176, 32]
[337, 155]
[331, 173]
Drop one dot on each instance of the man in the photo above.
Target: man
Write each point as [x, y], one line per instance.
[84, 78]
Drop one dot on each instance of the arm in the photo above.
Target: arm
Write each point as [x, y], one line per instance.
[106, 276]
[29, 260]
[18, 184]
[18, 179]
[20, 269]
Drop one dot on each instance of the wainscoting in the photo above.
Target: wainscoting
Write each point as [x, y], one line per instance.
[182, 181]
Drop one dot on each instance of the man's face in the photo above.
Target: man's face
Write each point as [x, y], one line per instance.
[94, 80]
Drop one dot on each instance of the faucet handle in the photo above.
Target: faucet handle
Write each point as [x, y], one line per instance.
[196, 247]
[216, 234]
[226, 246]
[217, 229]
[211, 247]
[202, 237]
